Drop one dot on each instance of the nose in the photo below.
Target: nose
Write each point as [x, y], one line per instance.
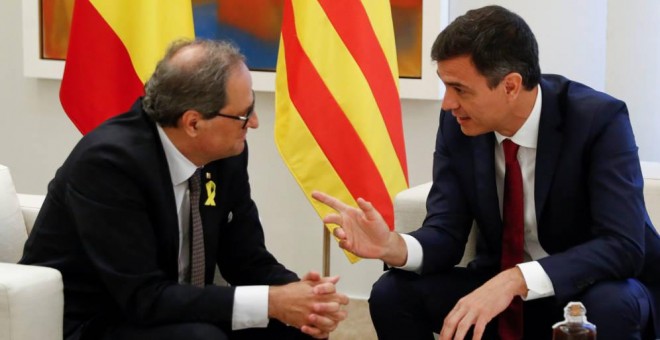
[449, 101]
[253, 121]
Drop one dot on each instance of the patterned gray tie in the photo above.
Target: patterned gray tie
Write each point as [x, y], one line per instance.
[197, 258]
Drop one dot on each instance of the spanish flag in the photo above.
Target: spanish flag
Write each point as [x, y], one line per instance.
[113, 49]
[337, 111]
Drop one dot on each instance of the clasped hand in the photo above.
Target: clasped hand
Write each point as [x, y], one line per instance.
[312, 304]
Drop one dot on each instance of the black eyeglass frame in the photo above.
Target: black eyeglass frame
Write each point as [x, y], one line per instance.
[245, 118]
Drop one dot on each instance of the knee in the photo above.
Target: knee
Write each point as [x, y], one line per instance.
[387, 290]
[625, 300]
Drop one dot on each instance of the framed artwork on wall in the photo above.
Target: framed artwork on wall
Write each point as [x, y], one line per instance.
[416, 23]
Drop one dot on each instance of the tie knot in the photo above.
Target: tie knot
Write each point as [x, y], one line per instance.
[510, 150]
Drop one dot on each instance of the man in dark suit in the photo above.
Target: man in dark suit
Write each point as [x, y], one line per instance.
[584, 232]
[118, 220]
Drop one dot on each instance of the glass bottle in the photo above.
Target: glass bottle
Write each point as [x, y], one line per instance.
[575, 326]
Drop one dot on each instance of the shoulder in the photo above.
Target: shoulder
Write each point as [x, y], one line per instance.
[576, 107]
[570, 96]
[126, 141]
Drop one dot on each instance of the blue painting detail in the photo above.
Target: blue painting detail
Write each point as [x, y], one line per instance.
[261, 55]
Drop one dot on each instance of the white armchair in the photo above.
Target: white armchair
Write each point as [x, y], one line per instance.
[31, 297]
[410, 207]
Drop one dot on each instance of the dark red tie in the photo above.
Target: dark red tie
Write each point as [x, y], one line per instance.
[511, 320]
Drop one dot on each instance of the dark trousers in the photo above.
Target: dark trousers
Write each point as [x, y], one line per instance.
[405, 305]
[193, 331]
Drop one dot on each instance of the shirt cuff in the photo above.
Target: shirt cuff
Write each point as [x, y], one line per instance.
[537, 280]
[250, 307]
[415, 254]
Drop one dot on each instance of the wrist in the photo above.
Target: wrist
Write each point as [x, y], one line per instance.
[518, 283]
[273, 292]
[395, 252]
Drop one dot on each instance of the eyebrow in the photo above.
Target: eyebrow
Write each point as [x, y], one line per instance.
[452, 83]
[455, 84]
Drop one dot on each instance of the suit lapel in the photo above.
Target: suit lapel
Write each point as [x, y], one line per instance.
[548, 146]
[484, 173]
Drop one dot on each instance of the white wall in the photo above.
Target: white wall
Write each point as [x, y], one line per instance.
[36, 135]
[633, 67]
[562, 32]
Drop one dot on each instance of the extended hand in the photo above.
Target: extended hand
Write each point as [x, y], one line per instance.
[361, 231]
[482, 305]
[312, 304]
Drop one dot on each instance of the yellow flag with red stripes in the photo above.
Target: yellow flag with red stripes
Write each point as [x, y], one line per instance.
[113, 49]
[337, 111]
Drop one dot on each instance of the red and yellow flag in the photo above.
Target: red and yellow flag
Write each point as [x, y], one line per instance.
[113, 49]
[337, 110]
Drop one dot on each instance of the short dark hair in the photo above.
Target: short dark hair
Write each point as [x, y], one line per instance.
[497, 40]
[198, 85]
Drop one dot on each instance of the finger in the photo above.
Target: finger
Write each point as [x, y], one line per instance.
[463, 327]
[324, 288]
[332, 219]
[338, 316]
[314, 332]
[329, 201]
[339, 233]
[326, 307]
[312, 276]
[321, 322]
[332, 279]
[339, 298]
[449, 325]
[328, 279]
[479, 329]
[369, 211]
[346, 244]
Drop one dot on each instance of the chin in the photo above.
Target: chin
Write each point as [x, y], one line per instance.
[472, 132]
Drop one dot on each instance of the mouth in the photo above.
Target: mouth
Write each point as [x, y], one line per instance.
[461, 118]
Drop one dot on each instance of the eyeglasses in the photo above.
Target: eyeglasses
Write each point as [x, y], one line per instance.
[245, 118]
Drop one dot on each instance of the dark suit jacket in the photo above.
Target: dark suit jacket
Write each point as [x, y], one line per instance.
[588, 194]
[109, 225]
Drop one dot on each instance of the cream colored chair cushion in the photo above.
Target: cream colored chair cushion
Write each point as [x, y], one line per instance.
[12, 226]
[31, 297]
[31, 303]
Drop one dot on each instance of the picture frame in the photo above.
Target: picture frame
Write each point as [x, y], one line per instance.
[435, 16]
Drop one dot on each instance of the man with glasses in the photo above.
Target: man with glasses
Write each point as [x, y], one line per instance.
[148, 204]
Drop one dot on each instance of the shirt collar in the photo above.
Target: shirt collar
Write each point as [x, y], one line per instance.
[528, 134]
[180, 167]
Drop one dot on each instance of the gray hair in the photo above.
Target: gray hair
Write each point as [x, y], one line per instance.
[200, 85]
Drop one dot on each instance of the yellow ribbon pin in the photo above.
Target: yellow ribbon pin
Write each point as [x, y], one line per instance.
[210, 193]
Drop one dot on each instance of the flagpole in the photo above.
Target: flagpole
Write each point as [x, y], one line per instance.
[326, 251]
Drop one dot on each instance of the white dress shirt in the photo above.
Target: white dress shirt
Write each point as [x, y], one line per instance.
[250, 302]
[526, 137]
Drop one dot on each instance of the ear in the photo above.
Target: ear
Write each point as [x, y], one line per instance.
[512, 85]
[188, 122]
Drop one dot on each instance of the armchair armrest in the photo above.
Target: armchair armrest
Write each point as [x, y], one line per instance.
[410, 211]
[30, 205]
[31, 302]
[410, 208]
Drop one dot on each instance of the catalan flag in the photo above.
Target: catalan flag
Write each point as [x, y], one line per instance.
[337, 111]
[113, 49]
